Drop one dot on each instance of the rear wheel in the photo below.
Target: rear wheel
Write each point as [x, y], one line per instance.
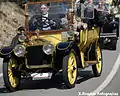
[70, 69]
[10, 75]
[97, 68]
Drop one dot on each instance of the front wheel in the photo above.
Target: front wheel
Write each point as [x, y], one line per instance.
[10, 74]
[70, 69]
[97, 68]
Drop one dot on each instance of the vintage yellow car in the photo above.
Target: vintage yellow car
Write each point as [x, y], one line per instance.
[49, 44]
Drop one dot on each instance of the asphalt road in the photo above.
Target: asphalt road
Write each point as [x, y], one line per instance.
[108, 82]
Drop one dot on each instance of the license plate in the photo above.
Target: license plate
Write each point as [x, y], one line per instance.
[39, 76]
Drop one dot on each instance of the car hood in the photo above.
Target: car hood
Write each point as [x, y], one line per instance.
[43, 39]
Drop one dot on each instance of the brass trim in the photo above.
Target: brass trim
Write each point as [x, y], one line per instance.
[53, 37]
[47, 1]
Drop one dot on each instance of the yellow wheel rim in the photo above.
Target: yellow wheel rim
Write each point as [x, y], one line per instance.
[82, 59]
[72, 68]
[99, 57]
[13, 80]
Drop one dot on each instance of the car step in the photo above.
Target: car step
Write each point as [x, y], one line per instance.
[91, 62]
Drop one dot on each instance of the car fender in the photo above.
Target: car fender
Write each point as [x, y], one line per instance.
[64, 48]
[6, 52]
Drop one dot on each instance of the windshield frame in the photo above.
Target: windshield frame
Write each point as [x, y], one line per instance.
[42, 32]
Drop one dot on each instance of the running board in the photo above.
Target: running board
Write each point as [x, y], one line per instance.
[91, 62]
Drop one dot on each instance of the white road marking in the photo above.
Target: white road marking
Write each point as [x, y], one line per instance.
[1, 74]
[1, 60]
[109, 77]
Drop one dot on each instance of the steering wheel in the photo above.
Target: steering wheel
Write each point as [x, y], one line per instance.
[36, 22]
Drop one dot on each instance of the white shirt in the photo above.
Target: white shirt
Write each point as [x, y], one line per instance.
[46, 23]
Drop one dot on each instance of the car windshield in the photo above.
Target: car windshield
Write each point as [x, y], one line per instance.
[48, 16]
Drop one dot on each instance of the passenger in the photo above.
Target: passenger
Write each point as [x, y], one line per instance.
[78, 25]
[65, 20]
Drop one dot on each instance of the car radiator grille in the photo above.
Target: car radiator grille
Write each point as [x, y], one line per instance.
[36, 56]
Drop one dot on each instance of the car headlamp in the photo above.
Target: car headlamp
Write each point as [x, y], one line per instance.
[22, 38]
[19, 50]
[48, 48]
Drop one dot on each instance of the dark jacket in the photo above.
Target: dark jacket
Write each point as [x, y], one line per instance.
[36, 21]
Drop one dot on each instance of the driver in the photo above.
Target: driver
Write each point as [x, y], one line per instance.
[44, 21]
[46, 18]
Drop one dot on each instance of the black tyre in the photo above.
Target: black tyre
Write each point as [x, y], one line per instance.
[70, 69]
[10, 75]
[97, 68]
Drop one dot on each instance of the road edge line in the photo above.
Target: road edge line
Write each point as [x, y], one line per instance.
[109, 77]
[1, 74]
